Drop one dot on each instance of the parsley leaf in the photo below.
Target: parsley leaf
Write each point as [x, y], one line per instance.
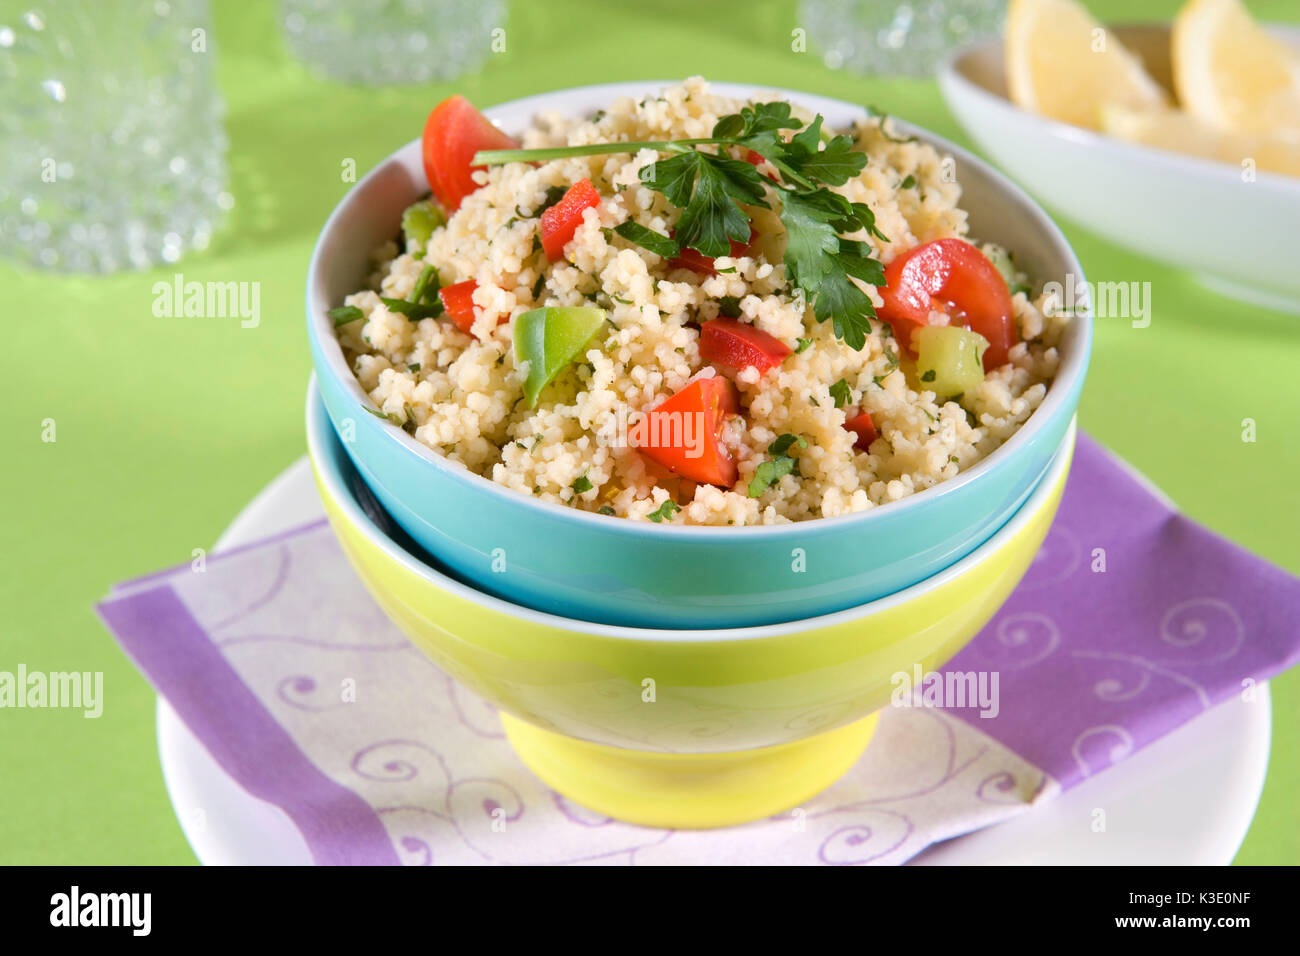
[781, 464]
[841, 393]
[344, 314]
[848, 307]
[836, 164]
[675, 177]
[665, 511]
[783, 443]
[648, 239]
[811, 238]
[708, 188]
[729, 307]
[769, 473]
[582, 484]
[802, 345]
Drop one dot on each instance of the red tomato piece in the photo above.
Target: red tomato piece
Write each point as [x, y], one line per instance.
[458, 302]
[953, 276]
[864, 428]
[737, 345]
[453, 133]
[757, 159]
[562, 220]
[695, 450]
[697, 262]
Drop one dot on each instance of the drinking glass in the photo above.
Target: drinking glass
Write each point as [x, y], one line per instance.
[886, 36]
[114, 148]
[380, 42]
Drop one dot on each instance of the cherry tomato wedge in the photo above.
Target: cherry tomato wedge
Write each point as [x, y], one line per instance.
[683, 433]
[738, 345]
[562, 220]
[953, 276]
[453, 133]
[697, 262]
[458, 303]
[864, 428]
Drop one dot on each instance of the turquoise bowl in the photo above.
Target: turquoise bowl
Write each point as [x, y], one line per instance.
[612, 571]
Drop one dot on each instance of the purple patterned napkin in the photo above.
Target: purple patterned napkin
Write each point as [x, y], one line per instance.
[1131, 621]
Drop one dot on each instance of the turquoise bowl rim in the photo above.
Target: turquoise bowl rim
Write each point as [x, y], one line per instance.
[326, 452]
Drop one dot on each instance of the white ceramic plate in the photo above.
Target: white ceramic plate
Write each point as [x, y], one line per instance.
[1195, 214]
[1187, 799]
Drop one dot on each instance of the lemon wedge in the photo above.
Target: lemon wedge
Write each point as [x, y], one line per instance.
[1061, 63]
[1176, 130]
[1231, 73]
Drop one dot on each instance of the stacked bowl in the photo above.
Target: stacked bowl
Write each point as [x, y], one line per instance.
[665, 675]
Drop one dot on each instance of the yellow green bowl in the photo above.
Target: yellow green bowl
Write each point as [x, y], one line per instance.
[678, 728]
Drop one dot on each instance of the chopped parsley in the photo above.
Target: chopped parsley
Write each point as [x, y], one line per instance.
[553, 195]
[729, 306]
[908, 183]
[783, 443]
[582, 484]
[647, 239]
[665, 511]
[386, 416]
[841, 393]
[604, 510]
[802, 345]
[927, 375]
[413, 367]
[781, 464]
[344, 314]
[424, 301]
[884, 117]
[768, 473]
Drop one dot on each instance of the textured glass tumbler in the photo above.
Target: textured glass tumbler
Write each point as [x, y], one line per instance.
[886, 36]
[381, 42]
[114, 149]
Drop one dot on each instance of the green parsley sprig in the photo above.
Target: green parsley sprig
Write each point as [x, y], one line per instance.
[778, 466]
[711, 190]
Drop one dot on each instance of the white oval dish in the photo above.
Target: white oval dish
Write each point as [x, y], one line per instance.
[1235, 234]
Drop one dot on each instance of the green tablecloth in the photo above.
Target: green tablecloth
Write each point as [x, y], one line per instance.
[166, 427]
